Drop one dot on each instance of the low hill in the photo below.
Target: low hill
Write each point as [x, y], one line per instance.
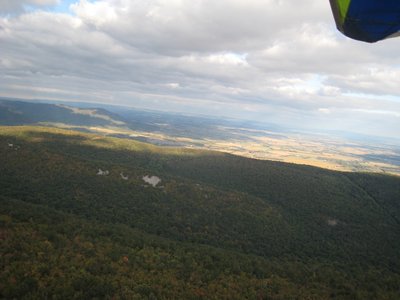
[78, 220]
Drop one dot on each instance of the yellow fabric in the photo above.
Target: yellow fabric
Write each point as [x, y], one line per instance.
[343, 8]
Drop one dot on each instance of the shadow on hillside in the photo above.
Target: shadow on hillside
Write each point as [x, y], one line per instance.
[91, 146]
[54, 136]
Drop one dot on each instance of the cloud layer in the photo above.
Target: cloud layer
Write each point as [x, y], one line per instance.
[17, 6]
[275, 60]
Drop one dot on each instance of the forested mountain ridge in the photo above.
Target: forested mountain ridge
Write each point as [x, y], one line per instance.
[216, 226]
[29, 113]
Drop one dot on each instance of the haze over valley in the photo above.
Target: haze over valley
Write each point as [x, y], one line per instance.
[344, 151]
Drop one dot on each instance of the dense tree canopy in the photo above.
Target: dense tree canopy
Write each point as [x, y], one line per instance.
[216, 226]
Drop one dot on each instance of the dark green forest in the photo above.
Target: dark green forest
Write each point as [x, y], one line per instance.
[24, 113]
[217, 226]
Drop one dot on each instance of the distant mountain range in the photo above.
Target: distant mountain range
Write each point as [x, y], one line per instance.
[24, 113]
[18, 112]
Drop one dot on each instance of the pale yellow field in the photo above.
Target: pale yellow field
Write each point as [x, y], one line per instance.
[322, 152]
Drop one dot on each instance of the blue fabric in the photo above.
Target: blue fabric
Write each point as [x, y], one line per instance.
[372, 20]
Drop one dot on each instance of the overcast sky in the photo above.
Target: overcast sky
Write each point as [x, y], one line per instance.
[279, 61]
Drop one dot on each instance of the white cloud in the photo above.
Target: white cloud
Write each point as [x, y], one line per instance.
[15, 6]
[279, 57]
[97, 13]
[324, 110]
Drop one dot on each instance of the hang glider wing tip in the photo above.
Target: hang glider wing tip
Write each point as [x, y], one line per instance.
[367, 20]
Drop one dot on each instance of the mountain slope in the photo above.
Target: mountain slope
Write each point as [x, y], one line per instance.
[25, 113]
[277, 228]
